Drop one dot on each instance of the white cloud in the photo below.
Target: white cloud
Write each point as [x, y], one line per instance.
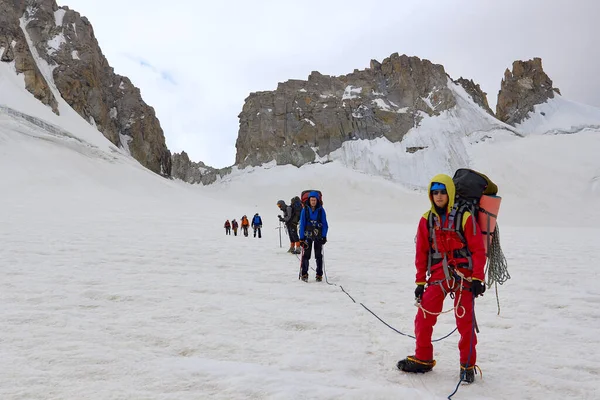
[215, 54]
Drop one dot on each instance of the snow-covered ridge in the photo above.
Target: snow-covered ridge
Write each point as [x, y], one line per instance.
[446, 142]
[438, 144]
[443, 143]
[559, 115]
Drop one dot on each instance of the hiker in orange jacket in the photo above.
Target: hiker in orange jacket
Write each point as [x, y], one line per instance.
[446, 263]
[245, 225]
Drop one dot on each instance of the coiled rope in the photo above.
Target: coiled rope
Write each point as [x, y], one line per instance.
[497, 267]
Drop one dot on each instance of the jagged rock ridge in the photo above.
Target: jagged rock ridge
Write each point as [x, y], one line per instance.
[195, 172]
[478, 95]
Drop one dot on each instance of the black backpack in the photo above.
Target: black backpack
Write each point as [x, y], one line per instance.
[471, 185]
[296, 205]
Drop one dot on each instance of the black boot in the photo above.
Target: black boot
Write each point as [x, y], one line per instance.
[304, 277]
[413, 364]
[467, 374]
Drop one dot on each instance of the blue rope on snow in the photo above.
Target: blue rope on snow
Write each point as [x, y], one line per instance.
[375, 315]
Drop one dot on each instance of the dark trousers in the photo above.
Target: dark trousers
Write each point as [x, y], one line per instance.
[257, 229]
[227, 230]
[293, 233]
[318, 256]
[245, 229]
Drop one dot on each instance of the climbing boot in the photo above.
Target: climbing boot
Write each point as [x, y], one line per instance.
[304, 277]
[413, 364]
[467, 374]
[319, 278]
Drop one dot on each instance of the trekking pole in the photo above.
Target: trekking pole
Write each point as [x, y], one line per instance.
[301, 257]
[279, 233]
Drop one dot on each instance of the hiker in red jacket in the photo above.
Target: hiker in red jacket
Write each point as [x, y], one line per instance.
[446, 263]
[227, 227]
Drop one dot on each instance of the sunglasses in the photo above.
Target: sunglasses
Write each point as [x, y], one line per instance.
[436, 192]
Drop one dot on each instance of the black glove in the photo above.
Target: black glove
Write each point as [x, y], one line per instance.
[419, 292]
[323, 240]
[303, 244]
[281, 218]
[478, 288]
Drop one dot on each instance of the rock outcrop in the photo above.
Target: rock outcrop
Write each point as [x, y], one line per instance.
[66, 42]
[305, 119]
[14, 48]
[195, 172]
[523, 88]
[478, 95]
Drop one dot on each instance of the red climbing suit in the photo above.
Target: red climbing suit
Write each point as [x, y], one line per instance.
[448, 242]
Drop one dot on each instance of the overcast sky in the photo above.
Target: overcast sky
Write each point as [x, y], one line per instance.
[196, 61]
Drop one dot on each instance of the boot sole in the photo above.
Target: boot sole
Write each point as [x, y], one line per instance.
[401, 366]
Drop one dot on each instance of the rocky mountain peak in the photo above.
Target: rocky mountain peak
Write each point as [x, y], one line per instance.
[39, 32]
[303, 119]
[521, 89]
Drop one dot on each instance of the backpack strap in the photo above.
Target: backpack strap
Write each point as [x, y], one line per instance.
[434, 255]
[455, 224]
[460, 213]
[488, 234]
[437, 222]
[308, 221]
